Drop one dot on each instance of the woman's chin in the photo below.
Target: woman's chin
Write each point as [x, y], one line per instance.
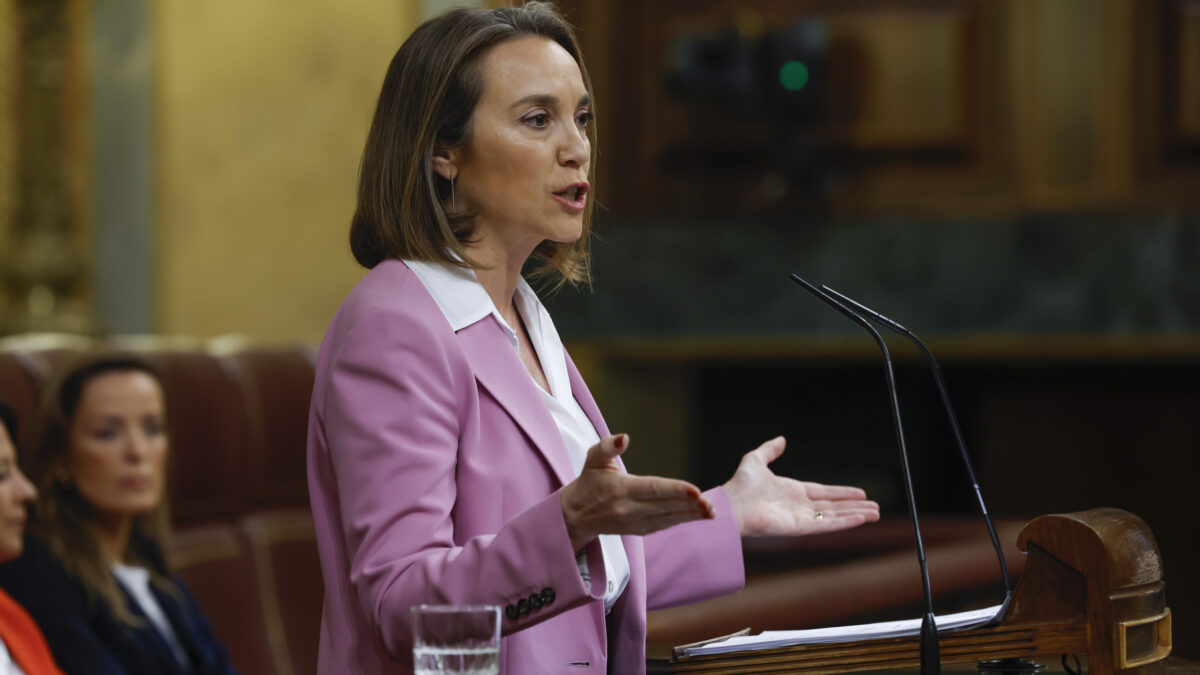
[10, 546]
[129, 508]
[567, 236]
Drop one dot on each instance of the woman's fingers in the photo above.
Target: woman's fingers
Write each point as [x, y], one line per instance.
[604, 500]
[653, 487]
[662, 522]
[602, 454]
[845, 505]
[821, 491]
[771, 450]
[642, 497]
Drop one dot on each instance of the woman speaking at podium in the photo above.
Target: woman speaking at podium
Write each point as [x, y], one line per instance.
[455, 455]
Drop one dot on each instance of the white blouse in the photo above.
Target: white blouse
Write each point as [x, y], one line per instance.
[464, 302]
[136, 580]
[7, 665]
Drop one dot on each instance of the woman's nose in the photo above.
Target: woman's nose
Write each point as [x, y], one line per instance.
[26, 492]
[575, 150]
[137, 447]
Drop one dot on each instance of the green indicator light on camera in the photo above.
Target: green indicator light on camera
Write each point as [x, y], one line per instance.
[793, 75]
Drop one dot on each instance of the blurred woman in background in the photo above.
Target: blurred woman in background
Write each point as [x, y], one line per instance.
[94, 575]
[23, 649]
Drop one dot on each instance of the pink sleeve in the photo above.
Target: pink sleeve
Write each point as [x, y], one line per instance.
[392, 406]
[695, 561]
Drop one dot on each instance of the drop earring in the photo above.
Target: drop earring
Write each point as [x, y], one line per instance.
[453, 199]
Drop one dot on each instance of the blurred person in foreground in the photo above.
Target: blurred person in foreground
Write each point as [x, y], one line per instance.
[455, 455]
[94, 575]
[23, 649]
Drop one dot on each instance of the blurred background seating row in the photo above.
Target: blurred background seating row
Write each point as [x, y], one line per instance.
[243, 536]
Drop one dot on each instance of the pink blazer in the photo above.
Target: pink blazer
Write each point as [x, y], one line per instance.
[434, 470]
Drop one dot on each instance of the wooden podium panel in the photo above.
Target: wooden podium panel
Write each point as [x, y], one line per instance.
[1092, 586]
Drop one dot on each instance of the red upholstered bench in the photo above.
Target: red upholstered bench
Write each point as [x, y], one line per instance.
[244, 537]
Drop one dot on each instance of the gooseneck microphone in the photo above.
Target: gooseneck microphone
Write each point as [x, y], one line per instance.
[958, 437]
[930, 658]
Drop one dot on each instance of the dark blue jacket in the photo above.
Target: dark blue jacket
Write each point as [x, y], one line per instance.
[86, 638]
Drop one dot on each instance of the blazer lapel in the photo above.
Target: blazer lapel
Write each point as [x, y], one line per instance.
[498, 369]
[185, 628]
[584, 397]
[153, 643]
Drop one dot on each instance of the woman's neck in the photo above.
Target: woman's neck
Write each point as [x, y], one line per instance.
[112, 534]
[499, 274]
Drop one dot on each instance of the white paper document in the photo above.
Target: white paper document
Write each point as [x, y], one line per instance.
[774, 639]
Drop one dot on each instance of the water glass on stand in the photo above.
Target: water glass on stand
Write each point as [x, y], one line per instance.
[458, 639]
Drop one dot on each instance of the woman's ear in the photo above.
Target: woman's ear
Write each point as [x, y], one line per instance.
[445, 162]
[61, 475]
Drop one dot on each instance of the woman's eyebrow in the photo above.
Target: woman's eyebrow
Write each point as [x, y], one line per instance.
[544, 100]
[104, 418]
[548, 100]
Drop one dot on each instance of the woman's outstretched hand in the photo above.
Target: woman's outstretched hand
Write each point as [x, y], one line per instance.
[605, 500]
[769, 505]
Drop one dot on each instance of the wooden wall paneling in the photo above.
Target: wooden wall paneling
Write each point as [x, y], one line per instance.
[976, 172]
[1075, 66]
[636, 89]
[1115, 106]
[1187, 82]
[984, 107]
[1166, 119]
[912, 79]
[915, 111]
[1179, 46]
[1054, 63]
[1152, 71]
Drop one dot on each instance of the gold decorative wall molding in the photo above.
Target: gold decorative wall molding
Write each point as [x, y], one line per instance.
[8, 128]
[42, 265]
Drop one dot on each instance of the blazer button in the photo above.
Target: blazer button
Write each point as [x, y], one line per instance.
[523, 606]
[512, 612]
[547, 596]
[535, 601]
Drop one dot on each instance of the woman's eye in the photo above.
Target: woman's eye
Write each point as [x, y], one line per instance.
[584, 118]
[152, 428]
[538, 121]
[106, 434]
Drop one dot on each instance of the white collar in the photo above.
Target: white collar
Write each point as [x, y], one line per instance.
[461, 297]
[464, 302]
[456, 291]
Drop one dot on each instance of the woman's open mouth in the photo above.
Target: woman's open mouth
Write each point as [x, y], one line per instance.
[573, 197]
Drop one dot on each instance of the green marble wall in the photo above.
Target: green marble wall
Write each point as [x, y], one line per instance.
[1104, 274]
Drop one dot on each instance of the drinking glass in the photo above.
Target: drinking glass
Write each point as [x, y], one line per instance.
[458, 639]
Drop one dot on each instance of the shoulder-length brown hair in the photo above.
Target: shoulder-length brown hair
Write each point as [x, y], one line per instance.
[63, 519]
[429, 96]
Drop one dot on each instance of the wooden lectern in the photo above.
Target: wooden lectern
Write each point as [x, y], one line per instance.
[1092, 586]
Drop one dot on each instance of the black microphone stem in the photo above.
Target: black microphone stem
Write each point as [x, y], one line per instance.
[930, 660]
[958, 437]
